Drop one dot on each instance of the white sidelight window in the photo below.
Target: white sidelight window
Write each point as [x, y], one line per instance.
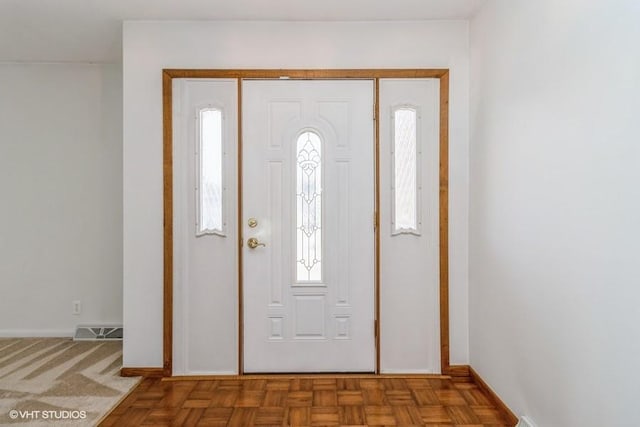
[405, 177]
[210, 186]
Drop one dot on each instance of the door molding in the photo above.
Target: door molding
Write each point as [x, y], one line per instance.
[342, 74]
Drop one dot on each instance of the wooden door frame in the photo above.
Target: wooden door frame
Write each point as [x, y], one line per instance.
[338, 74]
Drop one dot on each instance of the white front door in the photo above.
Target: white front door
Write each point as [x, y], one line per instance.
[308, 201]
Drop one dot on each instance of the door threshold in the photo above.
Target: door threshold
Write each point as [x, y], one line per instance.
[310, 376]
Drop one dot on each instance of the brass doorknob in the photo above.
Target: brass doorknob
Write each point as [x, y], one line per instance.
[254, 243]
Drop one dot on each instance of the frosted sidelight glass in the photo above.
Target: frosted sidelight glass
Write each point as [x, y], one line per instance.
[210, 218]
[309, 208]
[405, 176]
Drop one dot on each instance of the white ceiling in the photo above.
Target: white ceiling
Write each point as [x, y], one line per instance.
[90, 30]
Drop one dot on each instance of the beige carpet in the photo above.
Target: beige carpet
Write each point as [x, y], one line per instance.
[50, 381]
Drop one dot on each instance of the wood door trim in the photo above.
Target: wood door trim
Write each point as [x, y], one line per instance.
[142, 372]
[376, 155]
[444, 222]
[240, 238]
[167, 187]
[343, 74]
[268, 74]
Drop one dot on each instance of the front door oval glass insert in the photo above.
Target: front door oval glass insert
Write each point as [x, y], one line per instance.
[309, 207]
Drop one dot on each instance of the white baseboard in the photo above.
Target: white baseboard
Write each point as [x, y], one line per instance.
[409, 372]
[36, 333]
[526, 422]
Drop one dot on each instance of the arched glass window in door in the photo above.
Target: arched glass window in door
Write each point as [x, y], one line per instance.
[309, 207]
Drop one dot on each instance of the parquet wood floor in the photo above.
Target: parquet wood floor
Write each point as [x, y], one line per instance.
[306, 401]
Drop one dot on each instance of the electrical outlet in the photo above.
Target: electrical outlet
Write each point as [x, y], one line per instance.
[77, 307]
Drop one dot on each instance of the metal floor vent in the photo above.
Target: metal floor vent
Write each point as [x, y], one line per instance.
[97, 333]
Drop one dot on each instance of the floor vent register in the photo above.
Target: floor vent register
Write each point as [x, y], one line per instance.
[98, 333]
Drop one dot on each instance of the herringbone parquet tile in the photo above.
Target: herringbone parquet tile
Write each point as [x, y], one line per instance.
[304, 401]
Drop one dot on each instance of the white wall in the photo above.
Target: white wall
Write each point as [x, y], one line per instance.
[61, 188]
[149, 47]
[555, 208]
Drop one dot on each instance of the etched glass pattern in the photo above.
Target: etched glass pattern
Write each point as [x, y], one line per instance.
[309, 208]
[405, 177]
[210, 220]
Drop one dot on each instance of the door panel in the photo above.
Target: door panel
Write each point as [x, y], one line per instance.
[409, 239]
[308, 181]
[205, 326]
